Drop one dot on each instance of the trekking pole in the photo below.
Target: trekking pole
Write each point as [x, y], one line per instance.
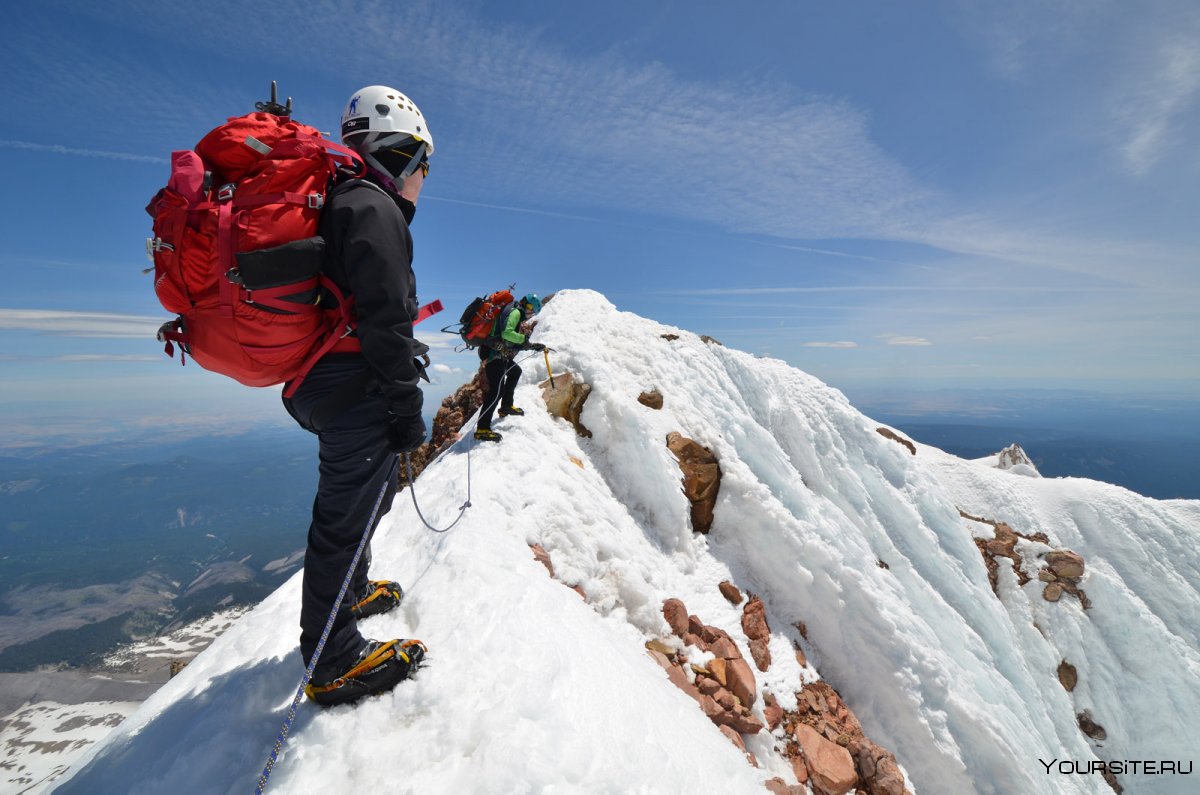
[281, 740]
[546, 353]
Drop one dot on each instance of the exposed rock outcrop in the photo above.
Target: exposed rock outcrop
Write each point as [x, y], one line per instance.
[754, 624]
[454, 411]
[724, 687]
[1012, 456]
[888, 433]
[701, 478]
[1062, 573]
[730, 592]
[1067, 675]
[652, 399]
[830, 766]
[823, 740]
[565, 399]
[1003, 545]
[821, 714]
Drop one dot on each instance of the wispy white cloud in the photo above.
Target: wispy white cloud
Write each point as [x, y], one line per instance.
[80, 324]
[899, 339]
[1150, 108]
[69, 150]
[831, 345]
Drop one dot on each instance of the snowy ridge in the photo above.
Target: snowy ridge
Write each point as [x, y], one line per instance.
[531, 689]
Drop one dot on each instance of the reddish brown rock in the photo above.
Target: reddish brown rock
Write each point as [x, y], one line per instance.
[652, 399]
[565, 399]
[1053, 592]
[801, 658]
[730, 592]
[447, 423]
[740, 680]
[1065, 564]
[779, 787]
[743, 722]
[774, 715]
[701, 478]
[725, 647]
[754, 619]
[694, 640]
[676, 615]
[760, 650]
[1045, 575]
[800, 769]
[878, 770]
[543, 557]
[830, 765]
[1067, 675]
[888, 433]
[676, 674]
[734, 737]
[710, 707]
[726, 699]
[657, 645]
[708, 686]
[1090, 727]
[718, 668]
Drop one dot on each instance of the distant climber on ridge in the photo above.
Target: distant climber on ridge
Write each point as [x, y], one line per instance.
[501, 371]
[363, 399]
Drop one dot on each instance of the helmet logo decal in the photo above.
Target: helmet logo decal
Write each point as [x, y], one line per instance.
[354, 105]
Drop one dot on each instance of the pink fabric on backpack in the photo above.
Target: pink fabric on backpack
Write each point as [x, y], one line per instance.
[187, 175]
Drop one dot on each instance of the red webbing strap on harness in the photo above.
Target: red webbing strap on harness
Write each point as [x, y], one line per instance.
[344, 321]
[225, 251]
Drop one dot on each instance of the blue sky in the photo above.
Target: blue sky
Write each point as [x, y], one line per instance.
[890, 196]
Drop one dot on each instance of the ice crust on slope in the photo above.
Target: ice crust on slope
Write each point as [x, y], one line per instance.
[530, 689]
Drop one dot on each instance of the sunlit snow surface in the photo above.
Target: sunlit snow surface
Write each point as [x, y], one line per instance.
[531, 689]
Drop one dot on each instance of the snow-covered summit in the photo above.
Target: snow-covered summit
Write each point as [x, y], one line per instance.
[915, 584]
[1012, 459]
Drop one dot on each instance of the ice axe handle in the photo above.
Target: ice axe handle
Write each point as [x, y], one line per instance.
[546, 353]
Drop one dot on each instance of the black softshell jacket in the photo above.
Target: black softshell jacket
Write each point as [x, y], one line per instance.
[368, 254]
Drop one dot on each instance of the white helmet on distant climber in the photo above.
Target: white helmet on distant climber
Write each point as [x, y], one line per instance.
[388, 130]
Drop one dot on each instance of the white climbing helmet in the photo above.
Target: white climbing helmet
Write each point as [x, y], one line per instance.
[379, 117]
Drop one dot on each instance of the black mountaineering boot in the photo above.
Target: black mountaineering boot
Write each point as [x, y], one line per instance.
[379, 597]
[486, 435]
[511, 411]
[380, 667]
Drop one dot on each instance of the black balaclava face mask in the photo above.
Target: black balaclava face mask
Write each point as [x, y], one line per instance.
[407, 208]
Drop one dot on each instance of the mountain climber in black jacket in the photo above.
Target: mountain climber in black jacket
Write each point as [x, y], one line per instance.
[363, 399]
[501, 371]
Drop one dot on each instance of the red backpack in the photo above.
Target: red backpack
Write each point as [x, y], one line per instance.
[237, 255]
[478, 321]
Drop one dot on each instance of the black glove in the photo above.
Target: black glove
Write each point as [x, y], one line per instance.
[405, 434]
[535, 346]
